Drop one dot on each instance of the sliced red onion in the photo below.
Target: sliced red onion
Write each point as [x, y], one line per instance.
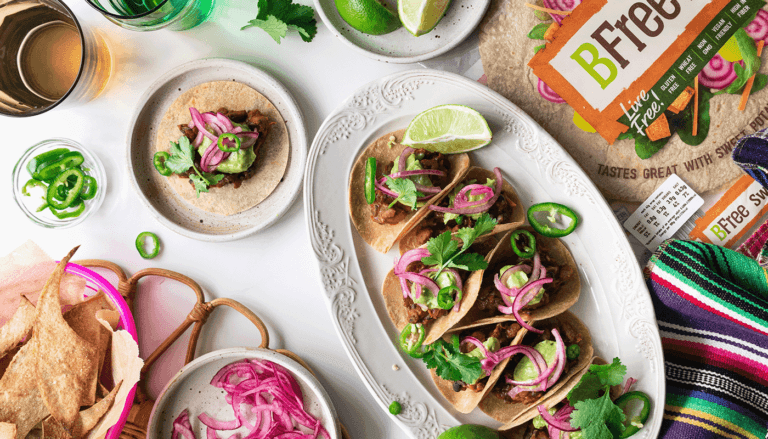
[758, 28]
[547, 93]
[560, 360]
[197, 118]
[225, 122]
[216, 424]
[380, 186]
[401, 163]
[630, 381]
[565, 411]
[461, 199]
[410, 257]
[182, 426]
[553, 421]
[494, 358]
[521, 299]
[718, 73]
[536, 268]
[501, 282]
[427, 189]
[403, 174]
[198, 139]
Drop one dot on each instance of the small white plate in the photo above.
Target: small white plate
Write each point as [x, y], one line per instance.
[171, 210]
[400, 46]
[191, 389]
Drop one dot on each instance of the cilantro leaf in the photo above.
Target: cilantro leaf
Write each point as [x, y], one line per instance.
[276, 29]
[212, 178]
[610, 374]
[588, 387]
[468, 262]
[441, 248]
[277, 16]
[598, 418]
[406, 191]
[182, 155]
[450, 364]
[201, 184]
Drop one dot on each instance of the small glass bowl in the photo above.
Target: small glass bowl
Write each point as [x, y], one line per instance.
[29, 204]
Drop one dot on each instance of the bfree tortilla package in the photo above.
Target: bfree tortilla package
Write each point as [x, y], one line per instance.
[636, 90]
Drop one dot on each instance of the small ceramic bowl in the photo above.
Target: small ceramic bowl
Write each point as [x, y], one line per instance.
[30, 204]
[191, 389]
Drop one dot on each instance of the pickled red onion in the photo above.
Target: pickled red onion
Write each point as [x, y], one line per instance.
[473, 207]
[554, 421]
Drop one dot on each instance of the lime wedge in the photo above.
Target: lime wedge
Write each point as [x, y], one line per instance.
[421, 16]
[469, 432]
[368, 16]
[449, 129]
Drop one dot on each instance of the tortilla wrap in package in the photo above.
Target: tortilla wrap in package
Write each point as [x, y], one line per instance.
[383, 236]
[703, 161]
[271, 160]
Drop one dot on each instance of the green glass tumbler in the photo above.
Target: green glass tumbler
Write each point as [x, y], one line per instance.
[148, 15]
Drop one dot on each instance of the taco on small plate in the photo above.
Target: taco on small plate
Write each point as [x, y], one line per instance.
[406, 180]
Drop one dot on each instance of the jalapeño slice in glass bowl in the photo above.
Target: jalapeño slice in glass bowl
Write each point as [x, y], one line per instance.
[58, 183]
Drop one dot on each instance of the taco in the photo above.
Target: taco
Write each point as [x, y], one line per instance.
[423, 294]
[534, 288]
[564, 343]
[232, 116]
[503, 204]
[384, 221]
[493, 335]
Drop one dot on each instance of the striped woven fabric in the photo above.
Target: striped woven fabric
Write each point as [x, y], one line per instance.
[751, 153]
[712, 308]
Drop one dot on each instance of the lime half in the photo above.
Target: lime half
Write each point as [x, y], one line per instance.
[421, 16]
[368, 16]
[469, 432]
[449, 129]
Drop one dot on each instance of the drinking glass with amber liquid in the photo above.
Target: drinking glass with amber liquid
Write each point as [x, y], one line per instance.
[147, 15]
[47, 58]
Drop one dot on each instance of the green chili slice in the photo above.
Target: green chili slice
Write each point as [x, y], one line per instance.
[42, 207]
[46, 158]
[72, 192]
[572, 352]
[89, 188]
[445, 296]
[370, 180]
[49, 171]
[159, 161]
[30, 184]
[229, 148]
[395, 408]
[141, 247]
[523, 243]
[637, 422]
[79, 207]
[411, 339]
[544, 229]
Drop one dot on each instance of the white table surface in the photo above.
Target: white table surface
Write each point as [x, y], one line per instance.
[273, 272]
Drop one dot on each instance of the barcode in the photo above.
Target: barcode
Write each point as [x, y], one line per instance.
[688, 226]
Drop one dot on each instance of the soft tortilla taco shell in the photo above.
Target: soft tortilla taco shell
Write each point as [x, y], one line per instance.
[505, 412]
[551, 401]
[559, 301]
[466, 400]
[383, 236]
[506, 50]
[272, 156]
[409, 240]
[393, 299]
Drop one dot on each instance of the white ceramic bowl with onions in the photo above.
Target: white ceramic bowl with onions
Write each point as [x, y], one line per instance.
[191, 389]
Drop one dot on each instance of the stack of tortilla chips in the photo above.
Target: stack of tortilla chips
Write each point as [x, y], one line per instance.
[62, 375]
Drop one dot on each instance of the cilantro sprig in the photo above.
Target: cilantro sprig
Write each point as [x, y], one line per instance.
[182, 157]
[450, 363]
[406, 191]
[276, 17]
[596, 414]
[445, 252]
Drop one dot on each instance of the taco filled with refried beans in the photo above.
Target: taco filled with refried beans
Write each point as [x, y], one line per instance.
[223, 146]
[391, 185]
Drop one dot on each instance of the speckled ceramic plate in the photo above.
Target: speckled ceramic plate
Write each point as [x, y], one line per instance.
[191, 389]
[400, 46]
[169, 208]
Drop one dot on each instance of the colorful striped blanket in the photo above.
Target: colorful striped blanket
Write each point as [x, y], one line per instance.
[712, 308]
